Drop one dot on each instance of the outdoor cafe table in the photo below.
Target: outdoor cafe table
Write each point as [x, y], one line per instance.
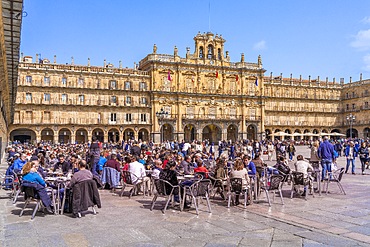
[60, 183]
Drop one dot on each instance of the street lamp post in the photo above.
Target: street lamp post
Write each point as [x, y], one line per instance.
[350, 119]
[160, 116]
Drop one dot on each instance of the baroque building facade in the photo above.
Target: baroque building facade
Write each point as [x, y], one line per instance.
[167, 97]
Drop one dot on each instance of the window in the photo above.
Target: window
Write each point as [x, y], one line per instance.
[366, 105]
[366, 92]
[347, 107]
[143, 117]
[29, 96]
[353, 94]
[29, 79]
[81, 98]
[128, 117]
[46, 96]
[113, 99]
[219, 54]
[113, 117]
[113, 84]
[142, 85]
[47, 80]
[353, 106]
[64, 98]
[80, 81]
[143, 100]
[347, 96]
[201, 52]
[46, 116]
[127, 85]
[210, 52]
[128, 100]
[64, 81]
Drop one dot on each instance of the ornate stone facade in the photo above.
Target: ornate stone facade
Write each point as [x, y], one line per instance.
[200, 96]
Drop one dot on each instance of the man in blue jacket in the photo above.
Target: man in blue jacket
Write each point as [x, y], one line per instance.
[326, 154]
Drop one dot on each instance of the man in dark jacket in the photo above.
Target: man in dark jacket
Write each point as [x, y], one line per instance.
[326, 154]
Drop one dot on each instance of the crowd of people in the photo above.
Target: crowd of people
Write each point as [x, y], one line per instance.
[240, 159]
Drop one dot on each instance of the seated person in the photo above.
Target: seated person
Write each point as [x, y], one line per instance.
[169, 174]
[82, 175]
[240, 172]
[250, 165]
[200, 168]
[19, 163]
[282, 166]
[302, 166]
[258, 162]
[220, 169]
[138, 171]
[62, 164]
[185, 165]
[113, 163]
[32, 179]
[157, 169]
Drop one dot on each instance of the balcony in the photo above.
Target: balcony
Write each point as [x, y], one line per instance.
[212, 116]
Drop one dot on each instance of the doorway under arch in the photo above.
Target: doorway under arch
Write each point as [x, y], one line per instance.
[166, 132]
[189, 133]
[23, 135]
[232, 133]
[212, 133]
[47, 135]
[251, 132]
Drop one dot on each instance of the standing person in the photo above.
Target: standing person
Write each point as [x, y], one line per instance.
[270, 150]
[291, 150]
[364, 155]
[351, 154]
[94, 153]
[326, 154]
[338, 147]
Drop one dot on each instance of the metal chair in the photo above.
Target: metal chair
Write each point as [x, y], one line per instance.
[164, 189]
[335, 177]
[273, 184]
[30, 194]
[217, 186]
[199, 189]
[127, 180]
[236, 188]
[299, 179]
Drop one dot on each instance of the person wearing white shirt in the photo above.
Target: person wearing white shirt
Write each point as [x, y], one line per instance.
[138, 171]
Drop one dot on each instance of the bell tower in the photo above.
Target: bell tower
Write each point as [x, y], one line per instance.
[209, 47]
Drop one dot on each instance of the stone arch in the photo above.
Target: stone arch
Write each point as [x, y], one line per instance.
[99, 133]
[47, 135]
[366, 132]
[23, 135]
[143, 134]
[167, 132]
[212, 132]
[189, 132]
[252, 132]
[81, 136]
[128, 134]
[64, 135]
[232, 133]
[113, 135]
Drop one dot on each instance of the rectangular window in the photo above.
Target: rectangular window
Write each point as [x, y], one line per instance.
[80, 81]
[347, 107]
[113, 99]
[128, 100]
[47, 80]
[113, 117]
[353, 94]
[127, 85]
[142, 85]
[143, 117]
[81, 98]
[46, 96]
[353, 106]
[29, 79]
[64, 98]
[366, 92]
[143, 101]
[366, 105]
[128, 117]
[113, 84]
[47, 116]
[64, 81]
[29, 96]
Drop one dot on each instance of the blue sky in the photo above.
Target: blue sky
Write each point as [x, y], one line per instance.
[326, 38]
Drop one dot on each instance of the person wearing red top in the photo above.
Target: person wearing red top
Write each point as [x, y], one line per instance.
[201, 168]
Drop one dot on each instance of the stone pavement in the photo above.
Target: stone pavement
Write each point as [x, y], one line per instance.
[327, 220]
